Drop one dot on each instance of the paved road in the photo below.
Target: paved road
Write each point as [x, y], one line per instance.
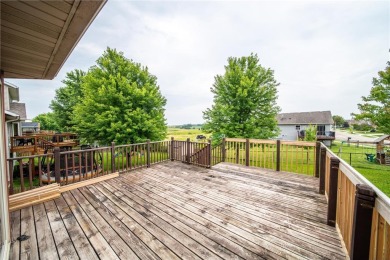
[343, 136]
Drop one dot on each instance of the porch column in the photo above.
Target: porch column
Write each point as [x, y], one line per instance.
[4, 212]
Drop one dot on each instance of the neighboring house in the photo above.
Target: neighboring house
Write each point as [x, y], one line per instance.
[30, 127]
[293, 125]
[15, 112]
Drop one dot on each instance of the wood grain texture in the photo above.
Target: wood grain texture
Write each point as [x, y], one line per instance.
[174, 210]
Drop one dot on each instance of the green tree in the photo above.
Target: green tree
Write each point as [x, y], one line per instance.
[66, 98]
[244, 101]
[376, 106]
[121, 102]
[47, 121]
[311, 133]
[338, 120]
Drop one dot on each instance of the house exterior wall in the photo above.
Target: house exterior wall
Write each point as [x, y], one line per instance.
[289, 132]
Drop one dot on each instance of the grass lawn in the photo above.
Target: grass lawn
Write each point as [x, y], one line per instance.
[378, 174]
[182, 134]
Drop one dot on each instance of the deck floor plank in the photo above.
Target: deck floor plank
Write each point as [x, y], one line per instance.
[28, 247]
[63, 243]
[134, 242]
[158, 231]
[117, 244]
[232, 200]
[46, 245]
[166, 226]
[236, 243]
[156, 245]
[179, 222]
[98, 242]
[80, 241]
[267, 200]
[252, 233]
[251, 223]
[15, 233]
[179, 211]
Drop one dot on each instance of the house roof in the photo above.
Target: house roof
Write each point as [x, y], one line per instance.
[38, 36]
[382, 138]
[305, 118]
[19, 109]
[10, 115]
[13, 91]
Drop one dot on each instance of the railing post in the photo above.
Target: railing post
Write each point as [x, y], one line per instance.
[112, 157]
[318, 152]
[247, 152]
[210, 156]
[11, 176]
[362, 221]
[322, 170]
[223, 149]
[188, 150]
[333, 186]
[57, 164]
[172, 149]
[148, 153]
[278, 155]
[237, 153]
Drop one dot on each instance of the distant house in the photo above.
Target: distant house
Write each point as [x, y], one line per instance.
[293, 125]
[30, 127]
[15, 112]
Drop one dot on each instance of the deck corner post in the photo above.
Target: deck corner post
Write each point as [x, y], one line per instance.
[210, 156]
[333, 189]
[362, 222]
[112, 157]
[172, 154]
[317, 165]
[223, 148]
[278, 145]
[188, 143]
[148, 153]
[57, 164]
[322, 170]
[247, 144]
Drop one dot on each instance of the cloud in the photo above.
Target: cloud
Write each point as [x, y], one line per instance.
[324, 54]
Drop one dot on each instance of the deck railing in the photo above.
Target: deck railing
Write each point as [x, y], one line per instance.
[67, 167]
[299, 157]
[359, 210]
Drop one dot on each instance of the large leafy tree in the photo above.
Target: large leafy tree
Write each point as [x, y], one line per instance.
[376, 106]
[47, 121]
[121, 102]
[244, 101]
[66, 98]
[338, 120]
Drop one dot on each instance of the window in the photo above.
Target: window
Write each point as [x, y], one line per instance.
[297, 127]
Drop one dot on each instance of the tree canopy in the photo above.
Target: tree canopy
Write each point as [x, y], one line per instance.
[47, 121]
[376, 106]
[244, 101]
[121, 102]
[66, 98]
[338, 120]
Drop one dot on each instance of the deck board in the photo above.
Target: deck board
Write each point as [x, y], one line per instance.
[174, 210]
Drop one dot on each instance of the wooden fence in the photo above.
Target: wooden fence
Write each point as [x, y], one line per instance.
[359, 210]
[299, 157]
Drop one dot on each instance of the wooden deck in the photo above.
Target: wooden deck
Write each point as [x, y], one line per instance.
[173, 210]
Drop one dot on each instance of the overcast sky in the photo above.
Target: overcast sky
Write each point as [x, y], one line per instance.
[324, 54]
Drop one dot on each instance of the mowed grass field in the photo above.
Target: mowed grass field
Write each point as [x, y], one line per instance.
[378, 174]
[182, 134]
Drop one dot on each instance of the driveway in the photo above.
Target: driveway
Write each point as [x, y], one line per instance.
[343, 136]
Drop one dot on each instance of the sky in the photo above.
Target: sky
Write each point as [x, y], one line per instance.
[324, 54]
